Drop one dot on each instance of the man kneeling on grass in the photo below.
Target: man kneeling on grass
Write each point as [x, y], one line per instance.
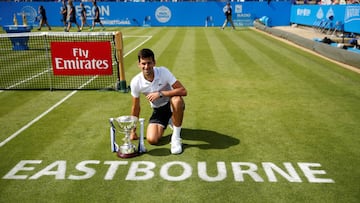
[165, 94]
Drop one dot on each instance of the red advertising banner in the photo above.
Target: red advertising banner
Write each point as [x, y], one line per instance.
[81, 58]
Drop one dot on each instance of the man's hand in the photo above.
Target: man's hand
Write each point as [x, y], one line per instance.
[153, 96]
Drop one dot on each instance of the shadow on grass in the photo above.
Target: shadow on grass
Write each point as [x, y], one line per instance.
[202, 139]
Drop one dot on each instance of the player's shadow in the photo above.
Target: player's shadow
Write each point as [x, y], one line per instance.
[202, 139]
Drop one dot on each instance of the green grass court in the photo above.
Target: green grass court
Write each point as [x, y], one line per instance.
[264, 122]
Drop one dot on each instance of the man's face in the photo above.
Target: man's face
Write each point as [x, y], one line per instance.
[147, 66]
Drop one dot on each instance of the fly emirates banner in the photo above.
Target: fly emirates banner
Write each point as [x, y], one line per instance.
[81, 58]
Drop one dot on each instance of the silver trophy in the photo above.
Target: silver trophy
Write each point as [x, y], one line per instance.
[124, 125]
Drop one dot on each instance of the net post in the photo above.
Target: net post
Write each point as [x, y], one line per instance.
[121, 83]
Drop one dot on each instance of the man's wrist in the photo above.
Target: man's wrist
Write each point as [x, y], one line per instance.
[160, 94]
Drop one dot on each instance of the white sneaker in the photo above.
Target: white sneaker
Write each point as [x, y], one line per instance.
[176, 146]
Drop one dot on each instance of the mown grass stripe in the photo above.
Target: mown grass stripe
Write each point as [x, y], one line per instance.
[207, 70]
[173, 48]
[183, 64]
[160, 42]
[223, 60]
[248, 58]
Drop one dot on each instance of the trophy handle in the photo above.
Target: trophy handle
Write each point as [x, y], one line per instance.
[141, 147]
[114, 146]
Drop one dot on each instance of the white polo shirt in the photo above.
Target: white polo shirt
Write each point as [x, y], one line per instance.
[163, 80]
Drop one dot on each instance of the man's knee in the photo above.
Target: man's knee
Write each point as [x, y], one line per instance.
[152, 140]
[154, 134]
[177, 102]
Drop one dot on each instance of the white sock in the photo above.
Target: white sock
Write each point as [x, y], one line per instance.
[176, 133]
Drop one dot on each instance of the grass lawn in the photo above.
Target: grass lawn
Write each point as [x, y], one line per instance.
[264, 122]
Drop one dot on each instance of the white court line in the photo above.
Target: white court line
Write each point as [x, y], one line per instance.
[36, 119]
[60, 102]
[147, 39]
[24, 81]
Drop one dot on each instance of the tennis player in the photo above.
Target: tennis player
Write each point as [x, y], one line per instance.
[165, 94]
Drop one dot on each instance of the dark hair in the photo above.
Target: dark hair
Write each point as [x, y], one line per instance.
[146, 53]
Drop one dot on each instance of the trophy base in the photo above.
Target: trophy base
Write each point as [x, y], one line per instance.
[125, 156]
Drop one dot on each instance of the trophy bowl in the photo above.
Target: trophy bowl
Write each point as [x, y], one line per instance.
[124, 124]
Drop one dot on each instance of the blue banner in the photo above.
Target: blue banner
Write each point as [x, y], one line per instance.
[153, 13]
[347, 16]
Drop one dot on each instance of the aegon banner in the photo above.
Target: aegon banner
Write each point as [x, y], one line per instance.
[81, 58]
[152, 13]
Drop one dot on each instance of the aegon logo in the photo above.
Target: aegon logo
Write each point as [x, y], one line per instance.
[163, 14]
[81, 58]
[171, 171]
[29, 12]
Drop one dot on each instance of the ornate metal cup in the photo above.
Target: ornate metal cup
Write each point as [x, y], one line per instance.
[124, 125]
